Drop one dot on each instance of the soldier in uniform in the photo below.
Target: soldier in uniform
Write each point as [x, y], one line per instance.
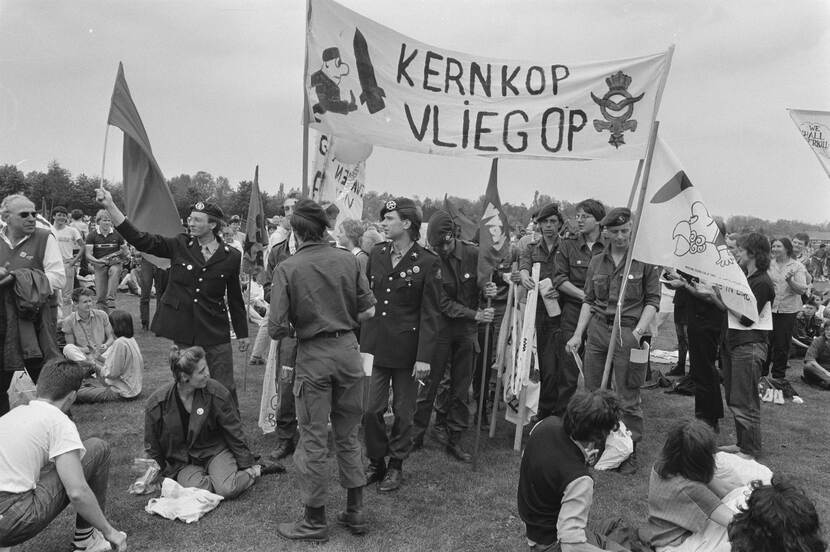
[571, 265]
[603, 282]
[543, 251]
[321, 292]
[203, 270]
[456, 342]
[405, 279]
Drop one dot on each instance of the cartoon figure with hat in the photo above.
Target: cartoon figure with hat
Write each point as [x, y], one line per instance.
[326, 83]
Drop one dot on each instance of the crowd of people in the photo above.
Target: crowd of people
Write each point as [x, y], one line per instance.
[358, 310]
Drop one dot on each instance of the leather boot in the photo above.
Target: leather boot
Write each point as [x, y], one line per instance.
[394, 476]
[312, 527]
[440, 434]
[455, 449]
[354, 519]
[376, 470]
[284, 449]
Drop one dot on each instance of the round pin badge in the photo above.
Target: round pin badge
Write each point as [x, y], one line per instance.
[403, 274]
[200, 411]
[466, 275]
[199, 206]
[190, 267]
[630, 276]
[416, 269]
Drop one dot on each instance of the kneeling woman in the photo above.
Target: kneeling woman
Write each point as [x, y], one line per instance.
[192, 429]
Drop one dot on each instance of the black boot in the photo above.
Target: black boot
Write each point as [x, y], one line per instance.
[455, 449]
[376, 470]
[312, 527]
[439, 434]
[353, 518]
[284, 449]
[394, 476]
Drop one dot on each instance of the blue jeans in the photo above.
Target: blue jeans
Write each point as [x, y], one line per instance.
[24, 515]
[741, 373]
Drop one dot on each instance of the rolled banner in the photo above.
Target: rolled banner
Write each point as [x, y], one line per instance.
[368, 361]
[551, 305]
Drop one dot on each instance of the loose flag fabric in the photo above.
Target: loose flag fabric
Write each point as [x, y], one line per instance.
[493, 230]
[256, 234]
[149, 203]
[366, 82]
[677, 230]
[338, 181]
[466, 226]
[815, 128]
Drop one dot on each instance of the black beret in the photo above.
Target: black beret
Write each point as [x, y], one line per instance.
[617, 217]
[441, 228]
[311, 211]
[549, 210]
[210, 209]
[403, 205]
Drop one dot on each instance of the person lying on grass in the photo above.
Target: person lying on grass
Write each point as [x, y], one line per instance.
[44, 466]
[555, 487]
[118, 370]
[777, 518]
[193, 431]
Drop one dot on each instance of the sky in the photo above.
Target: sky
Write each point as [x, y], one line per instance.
[218, 85]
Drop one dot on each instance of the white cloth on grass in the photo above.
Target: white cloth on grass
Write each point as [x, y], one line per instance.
[188, 504]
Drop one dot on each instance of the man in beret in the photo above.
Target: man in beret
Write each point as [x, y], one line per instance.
[571, 266]
[406, 280]
[203, 271]
[321, 292]
[603, 283]
[456, 342]
[542, 252]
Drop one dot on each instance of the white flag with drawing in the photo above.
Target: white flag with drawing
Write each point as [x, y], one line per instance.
[814, 127]
[677, 230]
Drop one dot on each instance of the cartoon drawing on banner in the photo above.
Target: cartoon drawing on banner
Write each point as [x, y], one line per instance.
[494, 224]
[617, 107]
[326, 84]
[372, 95]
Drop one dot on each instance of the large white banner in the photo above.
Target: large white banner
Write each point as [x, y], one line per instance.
[815, 128]
[371, 84]
[677, 230]
[338, 181]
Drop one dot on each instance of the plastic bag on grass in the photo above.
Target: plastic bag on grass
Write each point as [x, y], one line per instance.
[188, 504]
[618, 446]
[148, 481]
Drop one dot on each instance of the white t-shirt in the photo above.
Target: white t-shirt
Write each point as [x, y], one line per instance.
[67, 240]
[31, 436]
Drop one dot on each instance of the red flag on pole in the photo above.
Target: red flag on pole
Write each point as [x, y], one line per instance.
[256, 234]
[148, 200]
[468, 228]
[493, 230]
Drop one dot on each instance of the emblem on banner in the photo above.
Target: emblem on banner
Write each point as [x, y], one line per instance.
[617, 107]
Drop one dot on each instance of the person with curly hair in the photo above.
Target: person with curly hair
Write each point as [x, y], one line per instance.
[778, 518]
[556, 489]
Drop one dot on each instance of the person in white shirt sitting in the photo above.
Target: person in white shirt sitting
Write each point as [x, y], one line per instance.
[44, 466]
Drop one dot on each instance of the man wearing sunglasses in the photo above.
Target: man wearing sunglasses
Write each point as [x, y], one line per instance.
[30, 257]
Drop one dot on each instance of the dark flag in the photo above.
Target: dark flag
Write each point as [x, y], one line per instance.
[465, 225]
[147, 197]
[493, 231]
[256, 234]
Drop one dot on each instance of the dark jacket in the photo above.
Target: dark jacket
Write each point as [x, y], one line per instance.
[459, 277]
[192, 310]
[405, 326]
[217, 428]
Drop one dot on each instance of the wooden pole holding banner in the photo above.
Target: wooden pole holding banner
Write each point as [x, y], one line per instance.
[615, 329]
[485, 371]
[104, 157]
[304, 187]
[634, 185]
[517, 437]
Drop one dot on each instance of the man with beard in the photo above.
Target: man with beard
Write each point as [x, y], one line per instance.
[571, 261]
[405, 279]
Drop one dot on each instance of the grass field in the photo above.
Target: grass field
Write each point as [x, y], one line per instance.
[443, 505]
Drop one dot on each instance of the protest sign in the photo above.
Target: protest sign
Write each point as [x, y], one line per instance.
[336, 181]
[677, 230]
[366, 82]
[815, 128]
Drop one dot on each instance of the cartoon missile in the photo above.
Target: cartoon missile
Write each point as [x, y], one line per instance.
[372, 94]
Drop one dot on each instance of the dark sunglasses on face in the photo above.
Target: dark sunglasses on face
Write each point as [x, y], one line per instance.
[27, 214]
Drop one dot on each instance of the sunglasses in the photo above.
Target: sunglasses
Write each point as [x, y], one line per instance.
[27, 214]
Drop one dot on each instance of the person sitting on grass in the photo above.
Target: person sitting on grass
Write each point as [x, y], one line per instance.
[120, 373]
[685, 507]
[777, 518]
[817, 360]
[193, 431]
[807, 326]
[88, 331]
[44, 466]
[555, 487]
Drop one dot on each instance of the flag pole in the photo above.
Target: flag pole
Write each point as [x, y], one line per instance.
[304, 187]
[484, 373]
[634, 184]
[104, 157]
[615, 330]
